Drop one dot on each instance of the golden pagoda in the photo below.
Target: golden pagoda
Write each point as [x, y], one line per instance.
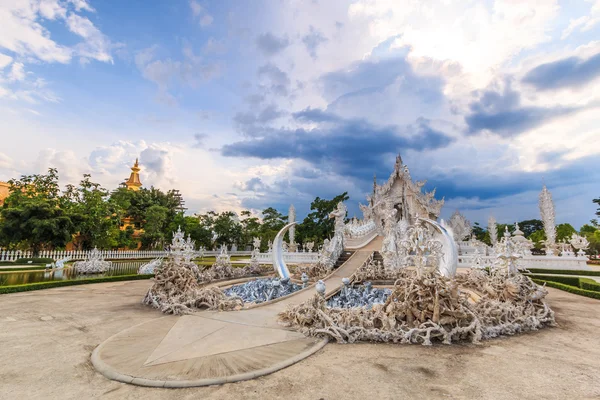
[134, 183]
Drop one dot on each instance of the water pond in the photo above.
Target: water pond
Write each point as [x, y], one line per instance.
[22, 277]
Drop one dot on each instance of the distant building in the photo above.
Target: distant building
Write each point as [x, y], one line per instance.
[4, 191]
[134, 183]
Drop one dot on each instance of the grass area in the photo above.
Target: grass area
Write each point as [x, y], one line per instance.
[37, 268]
[9, 263]
[564, 271]
[52, 284]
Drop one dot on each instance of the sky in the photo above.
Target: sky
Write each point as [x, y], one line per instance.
[246, 105]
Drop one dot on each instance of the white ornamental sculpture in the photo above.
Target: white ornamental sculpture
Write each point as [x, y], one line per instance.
[461, 227]
[292, 246]
[548, 218]
[580, 243]
[493, 230]
[522, 245]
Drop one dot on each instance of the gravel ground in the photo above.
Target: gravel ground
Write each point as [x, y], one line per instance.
[47, 336]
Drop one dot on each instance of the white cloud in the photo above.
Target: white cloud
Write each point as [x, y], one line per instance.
[95, 45]
[206, 20]
[52, 9]
[584, 23]
[5, 60]
[200, 13]
[17, 72]
[22, 34]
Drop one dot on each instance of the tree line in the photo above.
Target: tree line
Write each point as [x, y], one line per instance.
[37, 215]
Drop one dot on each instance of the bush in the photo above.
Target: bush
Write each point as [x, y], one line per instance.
[567, 280]
[35, 260]
[52, 284]
[563, 271]
[568, 288]
[589, 284]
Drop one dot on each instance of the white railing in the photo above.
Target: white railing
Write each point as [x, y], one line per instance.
[13, 255]
[544, 262]
[292, 258]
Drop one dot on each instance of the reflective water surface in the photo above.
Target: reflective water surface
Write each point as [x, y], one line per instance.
[19, 278]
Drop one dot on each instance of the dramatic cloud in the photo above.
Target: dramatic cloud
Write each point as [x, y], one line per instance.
[568, 72]
[270, 44]
[337, 143]
[501, 112]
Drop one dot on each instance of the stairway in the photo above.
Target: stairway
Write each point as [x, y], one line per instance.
[377, 257]
[346, 254]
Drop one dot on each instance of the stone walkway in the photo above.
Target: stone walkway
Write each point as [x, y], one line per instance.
[209, 348]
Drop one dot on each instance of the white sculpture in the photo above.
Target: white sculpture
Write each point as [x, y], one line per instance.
[60, 264]
[292, 245]
[493, 230]
[151, 267]
[522, 245]
[94, 264]
[309, 246]
[461, 227]
[580, 243]
[278, 262]
[547, 213]
[507, 256]
[256, 243]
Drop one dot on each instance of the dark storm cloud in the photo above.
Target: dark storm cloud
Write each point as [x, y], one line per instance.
[337, 144]
[568, 72]
[501, 112]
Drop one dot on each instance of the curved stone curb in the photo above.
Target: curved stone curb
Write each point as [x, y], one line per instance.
[113, 374]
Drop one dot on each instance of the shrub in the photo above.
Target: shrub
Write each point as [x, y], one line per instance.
[570, 289]
[563, 271]
[51, 284]
[589, 284]
[567, 280]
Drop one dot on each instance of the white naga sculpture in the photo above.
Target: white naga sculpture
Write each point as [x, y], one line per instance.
[151, 267]
[547, 213]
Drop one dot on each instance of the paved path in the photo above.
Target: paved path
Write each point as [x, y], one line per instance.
[209, 348]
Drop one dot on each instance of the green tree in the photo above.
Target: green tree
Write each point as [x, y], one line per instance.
[531, 225]
[227, 228]
[538, 238]
[31, 214]
[90, 202]
[597, 201]
[479, 232]
[564, 231]
[317, 225]
[155, 226]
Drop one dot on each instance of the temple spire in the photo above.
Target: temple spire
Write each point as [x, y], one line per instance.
[134, 183]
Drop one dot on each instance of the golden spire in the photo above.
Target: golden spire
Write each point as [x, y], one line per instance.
[134, 183]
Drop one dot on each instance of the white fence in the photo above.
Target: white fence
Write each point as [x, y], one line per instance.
[544, 262]
[292, 258]
[13, 255]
